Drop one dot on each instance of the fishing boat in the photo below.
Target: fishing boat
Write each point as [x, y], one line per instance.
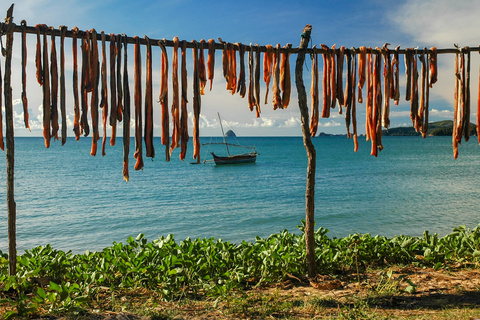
[248, 157]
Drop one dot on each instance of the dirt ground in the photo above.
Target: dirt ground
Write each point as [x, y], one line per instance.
[389, 293]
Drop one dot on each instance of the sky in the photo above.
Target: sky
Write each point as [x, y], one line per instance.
[352, 23]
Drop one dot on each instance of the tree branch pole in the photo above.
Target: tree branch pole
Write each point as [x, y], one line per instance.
[12, 242]
[307, 141]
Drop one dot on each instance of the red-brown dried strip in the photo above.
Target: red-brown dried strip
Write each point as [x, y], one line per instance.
[461, 106]
[138, 155]
[354, 105]
[201, 68]
[104, 93]
[76, 103]
[88, 76]
[148, 134]
[196, 104]
[126, 111]
[361, 72]
[421, 107]
[257, 80]
[455, 108]
[387, 81]
[378, 99]
[113, 90]
[277, 98]
[348, 94]
[164, 102]
[232, 68]
[427, 98]
[54, 86]
[375, 104]
[225, 62]
[63, 31]
[46, 92]
[38, 54]
[176, 96]
[241, 85]
[2, 143]
[314, 93]
[466, 116]
[251, 84]
[95, 76]
[333, 79]
[369, 103]
[326, 82]
[184, 117]
[118, 53]
[285, 77]
[433, 66]
[339, 90]
[414, 91]
[396, 75]
[85, 82]
[267, 68]
[210, 61]
[24, 74]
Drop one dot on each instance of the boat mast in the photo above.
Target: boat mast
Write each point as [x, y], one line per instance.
[223, 133]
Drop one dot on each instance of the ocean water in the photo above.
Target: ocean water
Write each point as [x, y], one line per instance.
[74, 201]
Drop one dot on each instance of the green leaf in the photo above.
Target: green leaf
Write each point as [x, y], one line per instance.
[41, 292]
[55, 286]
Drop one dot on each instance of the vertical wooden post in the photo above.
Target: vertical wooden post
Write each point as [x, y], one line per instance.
[12, 243]
[307, 141]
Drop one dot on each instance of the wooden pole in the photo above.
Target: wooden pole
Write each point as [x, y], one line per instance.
[307, 141]
[12, 243]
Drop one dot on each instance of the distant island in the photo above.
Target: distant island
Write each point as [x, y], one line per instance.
[439, 128]
[230, 133]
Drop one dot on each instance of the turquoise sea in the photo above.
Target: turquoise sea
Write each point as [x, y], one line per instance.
[74, 201]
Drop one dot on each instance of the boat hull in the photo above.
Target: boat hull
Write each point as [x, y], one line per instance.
[236, 159]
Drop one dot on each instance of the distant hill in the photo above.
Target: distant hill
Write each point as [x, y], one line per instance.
[230, 133]
[439, 128]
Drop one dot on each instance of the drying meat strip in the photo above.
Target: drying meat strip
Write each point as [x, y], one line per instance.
[63, 31]
[104, 93]
[361, 72]
[241, 87]
[339, 90]
[148, 133]
[184, 117]
[164, 102]
[333, 79]
[24, 74]
[396, 75]
[455, 108]
[38, 55]
[466, 116]
[95, 74]
[414, 93]
[113, 90]
[46, 92]
[225, 62]
[348, 94]
[251, 94]
[461, 106]
[196, 104]
[267, 67]
[85, 82]
[54, 86]
[176, 97]
[138, 106]
[354, 103]
[433, 66]
[478, 109]
[408, 72]
[201, 68]
[285, 77]
[118, 53]
[257, 80]
[277, 98]
[76, 104]
[314, 92]
[126, 111]
[376, 116]
[387, 82]
[210, 61]
[232, 68]
[421, 106]
[326, 82]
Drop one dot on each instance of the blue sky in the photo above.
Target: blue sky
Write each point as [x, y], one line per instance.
[411, 23]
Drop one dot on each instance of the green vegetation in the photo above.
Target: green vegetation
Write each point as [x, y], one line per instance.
[51, 281]
[439, 128]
